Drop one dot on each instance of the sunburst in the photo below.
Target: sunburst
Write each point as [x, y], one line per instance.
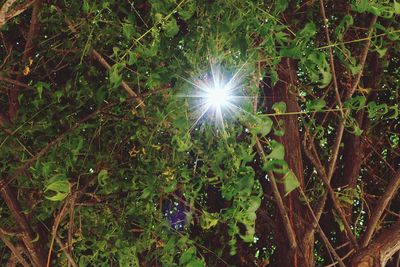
[216, 96]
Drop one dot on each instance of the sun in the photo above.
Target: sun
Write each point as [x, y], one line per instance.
[216, 95]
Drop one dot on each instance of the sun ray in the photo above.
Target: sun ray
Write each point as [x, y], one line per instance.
[218, 95]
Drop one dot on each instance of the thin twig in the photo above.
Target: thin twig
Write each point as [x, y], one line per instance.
[66, 252]
[331, 60]
[96, 55]
[57, 222]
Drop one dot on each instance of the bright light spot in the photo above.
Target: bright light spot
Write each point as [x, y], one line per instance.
[216, 95]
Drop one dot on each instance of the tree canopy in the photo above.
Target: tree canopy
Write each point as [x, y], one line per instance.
[114, 153]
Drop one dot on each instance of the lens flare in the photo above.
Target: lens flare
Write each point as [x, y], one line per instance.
[216, 96]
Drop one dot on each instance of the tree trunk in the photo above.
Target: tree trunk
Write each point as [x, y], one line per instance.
[285, 91]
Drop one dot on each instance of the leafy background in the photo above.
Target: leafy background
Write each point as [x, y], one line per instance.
[127, 183]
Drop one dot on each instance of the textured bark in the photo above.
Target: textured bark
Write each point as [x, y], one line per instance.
[354, 148]
[284, 91]
[378, 210]
[382, 248]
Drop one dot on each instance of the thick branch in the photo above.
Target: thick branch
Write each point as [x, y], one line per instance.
[380, 208]
[383, 247]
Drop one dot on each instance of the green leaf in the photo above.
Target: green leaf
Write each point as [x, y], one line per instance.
[171, 28]
[115, 76]
[274, 77]
[355, 103]
[290, 182]
[344, 24]
[59, 185]
[316, 105]
[102, 177]
[187, 11]
[40, 86]
[254, 203]
[376, 111]
[279, 107]
[187, 256]
[280, 6]
[263, 126]
[128, 30]
[291, 52]
[208, 220]
[195, 263]
[308, 31]
[396, 7]
[275, 165]
[182, 143]
[85, 6]
[277, 152]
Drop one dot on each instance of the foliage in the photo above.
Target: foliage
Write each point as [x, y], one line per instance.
[148, 186]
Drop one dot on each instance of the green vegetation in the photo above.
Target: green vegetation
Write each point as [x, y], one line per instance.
[105, 160]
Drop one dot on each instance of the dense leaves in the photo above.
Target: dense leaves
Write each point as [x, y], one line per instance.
[131, 184]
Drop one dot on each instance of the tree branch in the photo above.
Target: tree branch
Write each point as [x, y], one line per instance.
[66, 252]
[4, 10]
[372, 223]
[285, 217]
[383, 247]
[96, 55]
[13, 249]
[28, 236]
[331, 60]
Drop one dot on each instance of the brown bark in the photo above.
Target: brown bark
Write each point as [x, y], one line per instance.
[377, 212]
[382, 248]
[354, 148]
[298, 214]
[28, 236]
